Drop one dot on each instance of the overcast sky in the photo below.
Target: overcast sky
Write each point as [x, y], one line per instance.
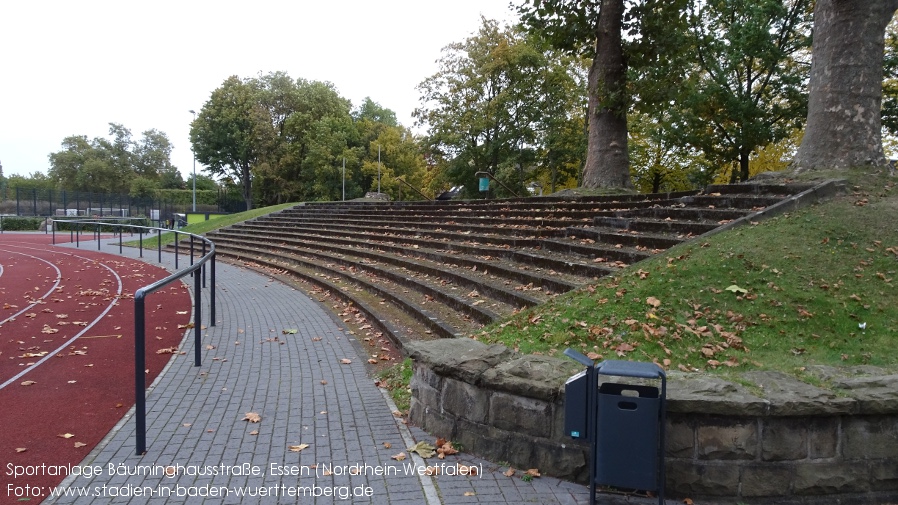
[72, 67]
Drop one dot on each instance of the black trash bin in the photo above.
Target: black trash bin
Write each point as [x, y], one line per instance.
[630, 427]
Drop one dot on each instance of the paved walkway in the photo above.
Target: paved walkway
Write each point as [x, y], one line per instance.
[304, 395]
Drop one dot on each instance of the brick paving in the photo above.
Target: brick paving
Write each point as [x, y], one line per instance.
[305, 395]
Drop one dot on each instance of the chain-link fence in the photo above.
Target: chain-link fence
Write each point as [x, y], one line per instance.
[20, 201]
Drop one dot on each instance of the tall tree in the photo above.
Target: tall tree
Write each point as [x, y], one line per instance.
[747, 87]
[596, 30]
[225, 133]
[844, 125]
[488, 106]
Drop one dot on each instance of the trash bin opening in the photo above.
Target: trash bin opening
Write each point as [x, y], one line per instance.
[629, 390]
[626, 405]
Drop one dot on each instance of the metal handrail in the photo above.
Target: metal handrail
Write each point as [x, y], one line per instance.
[416, 190]
[140, 306]
[484, 173]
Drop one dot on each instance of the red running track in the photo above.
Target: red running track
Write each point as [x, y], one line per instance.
[67, 350]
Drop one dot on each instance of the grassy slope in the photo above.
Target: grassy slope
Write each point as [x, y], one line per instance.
[214, 224]
[819, 288]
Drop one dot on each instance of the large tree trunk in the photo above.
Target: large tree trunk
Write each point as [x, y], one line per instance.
[844, 127]
[607, 160]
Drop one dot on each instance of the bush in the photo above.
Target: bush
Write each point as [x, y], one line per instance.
[15, 223]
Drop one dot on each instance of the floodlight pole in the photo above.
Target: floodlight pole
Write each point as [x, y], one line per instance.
[194, 165]
[378, 169]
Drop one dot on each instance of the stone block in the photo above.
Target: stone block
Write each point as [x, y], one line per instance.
[791, 397]
[823, 437]
[784, 439]
[533, 376]
[727, 439]
[439, 424]
[518, 414]
[874, 395]
[423, 374]
[464, 359]
[830, 478]
[424, 393]
[689, 394]
[766, 480]
[884, 475]
[702, 479]
[465, 401]
[481, 440]
[680, 438]
[870, 437]
[566, 461]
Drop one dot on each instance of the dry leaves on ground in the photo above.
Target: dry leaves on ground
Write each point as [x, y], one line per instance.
[252, 417]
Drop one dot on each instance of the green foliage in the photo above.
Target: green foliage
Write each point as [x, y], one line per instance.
[109, 165]
[819, 290]
[499, 102]
[286, 140]
[224, 134]
[890, 79]
[20, 223]
[143, 189]
[747, 89]
[397, 380]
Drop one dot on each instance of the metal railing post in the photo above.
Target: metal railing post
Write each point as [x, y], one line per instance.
[177, 239]
[203, 268]
[159, 242]
[212, 291]
[140, 397]
[197, 320]
[99, 247]
[140, 238]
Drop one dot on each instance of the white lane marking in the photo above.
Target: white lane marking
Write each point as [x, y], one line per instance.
[112, 303]
[45, 295]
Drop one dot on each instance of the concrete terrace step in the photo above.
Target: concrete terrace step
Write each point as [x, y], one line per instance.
[445, 268]
[395, 268]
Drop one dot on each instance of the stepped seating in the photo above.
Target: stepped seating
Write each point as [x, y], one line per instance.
[418, 270]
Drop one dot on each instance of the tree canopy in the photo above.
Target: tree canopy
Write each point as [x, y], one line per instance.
[502, 103]
[288, 139]
[112, 164]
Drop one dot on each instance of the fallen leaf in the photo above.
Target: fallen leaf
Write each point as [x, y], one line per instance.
[291, 331]
[736, 289]
[470, 493]
[297, 448]
[254, 432]
[387, 445]
[399, 457]
[65, 435]
[79, 444]
[345, 361]
[509, 472]
[21, 449]
[423, 449]
[533, 472]
[654, 302]
[252, 417]
[29, 383]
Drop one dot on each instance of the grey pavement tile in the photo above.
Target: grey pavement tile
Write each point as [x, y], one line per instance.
[281, 380]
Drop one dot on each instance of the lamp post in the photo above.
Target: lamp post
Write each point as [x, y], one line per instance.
[194, 165]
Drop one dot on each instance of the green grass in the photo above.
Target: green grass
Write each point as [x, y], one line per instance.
[812, 287]
[206, 226]
[396, 379]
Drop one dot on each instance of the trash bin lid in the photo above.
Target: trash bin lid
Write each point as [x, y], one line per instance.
[631, 369]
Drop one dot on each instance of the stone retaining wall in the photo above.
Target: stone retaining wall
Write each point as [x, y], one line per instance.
[768, 439]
